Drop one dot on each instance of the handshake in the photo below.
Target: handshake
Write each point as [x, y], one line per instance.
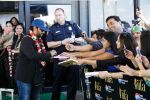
[67, 41]
[72, 40]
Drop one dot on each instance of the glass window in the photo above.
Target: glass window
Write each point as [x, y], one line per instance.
[122, 8]
[101, 9]
[46, 12]
[145, 6]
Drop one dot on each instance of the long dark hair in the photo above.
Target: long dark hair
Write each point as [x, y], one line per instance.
[20, 24]
[127, 40]
[15, 19]
[1, 30]
[15, 38]
[111, 38]
[145, 47]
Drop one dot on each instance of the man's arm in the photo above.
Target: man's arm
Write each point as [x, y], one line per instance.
[92, 46]
[90, 53]
[71, 47]
[54, 44]
[103, 56]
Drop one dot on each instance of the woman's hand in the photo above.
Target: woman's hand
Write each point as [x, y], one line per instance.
[127, 70]
[53, 53]
[145, 61]
[104, 74]
[139, 62]
[81, 61]
[70, 47]
[128, 54]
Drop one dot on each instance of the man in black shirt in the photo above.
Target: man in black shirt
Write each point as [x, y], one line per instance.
[31, 61]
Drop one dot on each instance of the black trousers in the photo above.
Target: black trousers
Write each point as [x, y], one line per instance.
[63, 75]
[4, 69]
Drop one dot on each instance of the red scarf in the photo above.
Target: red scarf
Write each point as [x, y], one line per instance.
[39, 45]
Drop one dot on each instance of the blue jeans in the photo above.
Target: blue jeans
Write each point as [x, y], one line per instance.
[28, 91]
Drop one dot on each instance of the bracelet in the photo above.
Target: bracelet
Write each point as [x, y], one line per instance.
[110, 75]
[141, 73]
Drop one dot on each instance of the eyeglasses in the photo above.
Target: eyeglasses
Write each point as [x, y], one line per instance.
[136, 33]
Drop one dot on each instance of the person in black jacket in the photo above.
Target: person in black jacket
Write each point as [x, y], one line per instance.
[31, 62]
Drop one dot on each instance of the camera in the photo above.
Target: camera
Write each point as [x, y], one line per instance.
[135, 21]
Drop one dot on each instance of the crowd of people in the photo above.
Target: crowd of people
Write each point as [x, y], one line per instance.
[120, 50]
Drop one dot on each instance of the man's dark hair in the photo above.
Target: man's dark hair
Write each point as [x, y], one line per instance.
[60, 9]
[113, 17]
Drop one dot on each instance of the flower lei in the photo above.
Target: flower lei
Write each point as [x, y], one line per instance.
[39, 44]
[10, 57]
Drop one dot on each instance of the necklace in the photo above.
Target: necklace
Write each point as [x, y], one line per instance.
[39, 45]
[10, 57]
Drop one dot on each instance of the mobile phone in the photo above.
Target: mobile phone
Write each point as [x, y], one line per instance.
[138, 52]
[124, 48]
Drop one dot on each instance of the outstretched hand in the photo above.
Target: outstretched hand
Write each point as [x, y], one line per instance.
[67, 54]
[145, 61]
[104, 74]
[70, 47]
[128, 54]
[67, 41]
[53, 53]
[127, 70]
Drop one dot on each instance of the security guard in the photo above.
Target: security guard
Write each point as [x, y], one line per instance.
[62, 33]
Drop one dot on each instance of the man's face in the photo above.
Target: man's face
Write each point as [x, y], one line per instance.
[114, 26]
[136, 35]
[59, 16]
[39, 32]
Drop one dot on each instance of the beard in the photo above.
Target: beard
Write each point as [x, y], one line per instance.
[38, 35]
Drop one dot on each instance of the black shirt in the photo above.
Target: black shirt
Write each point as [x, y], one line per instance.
[121, 60]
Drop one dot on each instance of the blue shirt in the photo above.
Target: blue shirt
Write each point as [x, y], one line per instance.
[60, 32]
[97, 45]
[111, 68]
